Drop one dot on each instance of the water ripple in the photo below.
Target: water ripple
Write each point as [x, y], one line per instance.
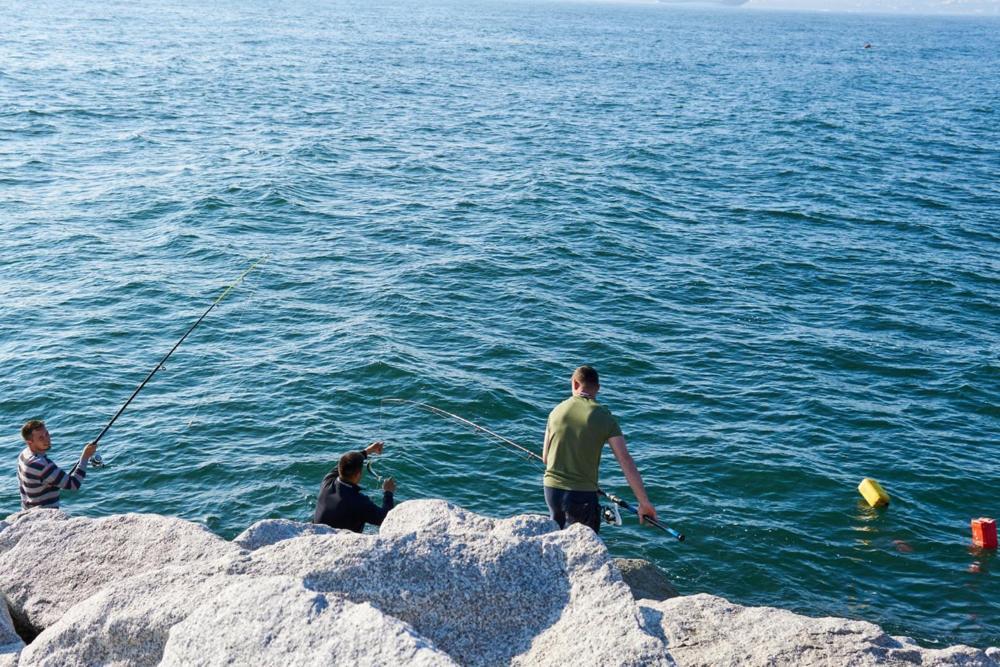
[783, 260]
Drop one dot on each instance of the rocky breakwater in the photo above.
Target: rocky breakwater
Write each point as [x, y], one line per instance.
[437, 586]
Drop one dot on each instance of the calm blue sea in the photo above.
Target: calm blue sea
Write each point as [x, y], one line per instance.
[779, 248]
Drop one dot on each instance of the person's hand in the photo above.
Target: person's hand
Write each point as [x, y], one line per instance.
[646, 510]
[374, 448]
[89, 450]
[389, 485]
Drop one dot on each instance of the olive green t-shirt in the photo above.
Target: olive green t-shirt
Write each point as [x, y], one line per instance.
[578, 428]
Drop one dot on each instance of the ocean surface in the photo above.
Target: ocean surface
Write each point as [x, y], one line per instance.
[780, 249]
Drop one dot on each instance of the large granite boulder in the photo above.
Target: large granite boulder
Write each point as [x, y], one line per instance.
[485, 591]
[276, 620]
[125, 623]
[49, 561]
[704, 630]
[437, 586]
[271, 531]
[176, 616]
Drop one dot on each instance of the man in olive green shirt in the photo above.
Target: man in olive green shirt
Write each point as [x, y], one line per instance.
[574, 437]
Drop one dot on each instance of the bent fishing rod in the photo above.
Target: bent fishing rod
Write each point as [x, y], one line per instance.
[624, 504]
[96, 459]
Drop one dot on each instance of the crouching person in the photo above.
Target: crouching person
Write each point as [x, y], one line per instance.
[341, 504]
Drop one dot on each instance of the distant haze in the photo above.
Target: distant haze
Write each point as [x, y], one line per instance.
[980, 7]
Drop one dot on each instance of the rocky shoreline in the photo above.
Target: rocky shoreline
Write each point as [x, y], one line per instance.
[437, 586]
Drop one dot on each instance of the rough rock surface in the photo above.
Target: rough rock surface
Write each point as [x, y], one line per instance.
[10, 642]
[271, 531]
[646, 581]
[175, 616]
[272, 621]
[49, 562]
[710, 631]
[125, 623]
[7, 633]
[437, 586]
[485, 591]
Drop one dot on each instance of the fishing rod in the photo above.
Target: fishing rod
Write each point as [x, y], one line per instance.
[532, 455]
[96, 459]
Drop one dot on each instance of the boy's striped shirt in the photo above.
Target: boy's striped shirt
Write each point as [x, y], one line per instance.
[40, 480]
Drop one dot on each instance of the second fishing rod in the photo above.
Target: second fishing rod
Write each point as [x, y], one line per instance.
[619, 502]
[96, 460]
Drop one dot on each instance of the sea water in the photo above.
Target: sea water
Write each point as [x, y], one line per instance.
[778, 247]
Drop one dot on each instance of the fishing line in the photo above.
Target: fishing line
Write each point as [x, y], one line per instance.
[406, 457]
[96, 460]
[230, 334]
[510, 444]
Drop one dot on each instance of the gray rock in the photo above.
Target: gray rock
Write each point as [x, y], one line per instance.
[7, 633]
[49, 562]
[645, 580]
[9, 656]
[125, 623]
[178, 617]
[710, 631]
[270, 531]
[437, 586]
[485, 591]
[10, 643]
[41, 512]
[438, 516]
[271, 621]
[18, 525]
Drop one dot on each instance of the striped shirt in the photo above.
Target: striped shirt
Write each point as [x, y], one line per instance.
[40, 479]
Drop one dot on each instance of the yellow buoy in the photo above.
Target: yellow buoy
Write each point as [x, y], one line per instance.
[873, 492]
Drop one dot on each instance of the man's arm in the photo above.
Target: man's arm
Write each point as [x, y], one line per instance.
[632, 476]
[374, 514]
[53, 475]
[545, 446]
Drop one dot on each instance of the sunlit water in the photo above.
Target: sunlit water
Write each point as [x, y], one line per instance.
[778, 247]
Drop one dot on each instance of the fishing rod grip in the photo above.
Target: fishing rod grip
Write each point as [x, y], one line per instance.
[655, 522]
[666, 528]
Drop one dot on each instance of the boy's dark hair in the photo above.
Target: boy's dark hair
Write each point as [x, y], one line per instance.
[350, 464]
[587, 376]
[30, 427]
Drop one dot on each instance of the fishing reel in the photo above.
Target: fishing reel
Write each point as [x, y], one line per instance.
[97, 462]
[611, 515]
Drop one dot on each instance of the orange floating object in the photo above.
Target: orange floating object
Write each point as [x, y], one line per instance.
[984, 533]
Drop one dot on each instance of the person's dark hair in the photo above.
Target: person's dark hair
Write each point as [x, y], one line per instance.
[350, 464]
[30, 427]
[587, 376]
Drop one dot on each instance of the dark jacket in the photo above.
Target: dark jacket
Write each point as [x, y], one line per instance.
[342, 505]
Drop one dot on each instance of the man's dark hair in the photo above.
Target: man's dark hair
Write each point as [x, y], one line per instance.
[350, 464]
[30, 427]
[587, 376]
